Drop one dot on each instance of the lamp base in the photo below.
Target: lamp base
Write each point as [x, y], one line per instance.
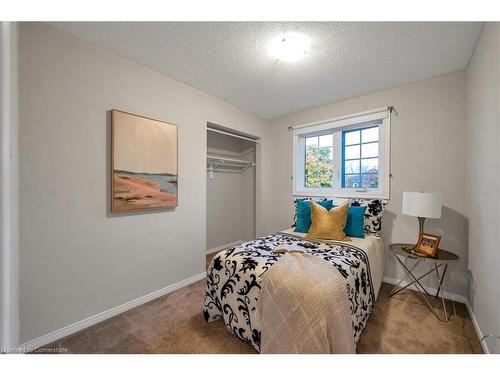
[413, 249]
[421, 221]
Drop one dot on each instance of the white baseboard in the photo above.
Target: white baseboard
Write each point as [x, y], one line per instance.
[447, 295]
[486, 350]
[225, 246]
[82, 324]
[454, 297]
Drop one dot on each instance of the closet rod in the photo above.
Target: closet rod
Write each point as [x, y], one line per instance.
[232, 135]
[230, 160]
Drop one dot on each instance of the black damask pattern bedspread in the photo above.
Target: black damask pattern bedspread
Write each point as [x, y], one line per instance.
[234, 277]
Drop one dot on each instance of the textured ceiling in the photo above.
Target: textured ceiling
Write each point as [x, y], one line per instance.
[230, 60]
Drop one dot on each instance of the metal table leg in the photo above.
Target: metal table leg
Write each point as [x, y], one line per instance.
[446, 317]
[409, 274]
[441, 280]
[395, 289]
[420, 288]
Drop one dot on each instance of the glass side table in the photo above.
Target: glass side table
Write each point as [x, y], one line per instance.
[403, 255]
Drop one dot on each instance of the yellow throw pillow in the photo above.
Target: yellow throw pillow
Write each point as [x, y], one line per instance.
[328, 225]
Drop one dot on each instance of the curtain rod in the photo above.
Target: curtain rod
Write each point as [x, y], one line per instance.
[389, 108]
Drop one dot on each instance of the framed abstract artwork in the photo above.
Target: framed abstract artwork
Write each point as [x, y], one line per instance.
[143, 163]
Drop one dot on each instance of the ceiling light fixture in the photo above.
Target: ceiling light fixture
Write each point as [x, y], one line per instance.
[289, 47]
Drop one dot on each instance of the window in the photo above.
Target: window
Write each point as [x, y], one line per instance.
[345, 157]
[319, 161]
[360, 158]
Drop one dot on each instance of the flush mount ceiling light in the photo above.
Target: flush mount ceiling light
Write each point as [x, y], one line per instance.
[289, 47]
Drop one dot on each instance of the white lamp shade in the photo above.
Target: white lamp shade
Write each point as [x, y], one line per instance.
[422, 204]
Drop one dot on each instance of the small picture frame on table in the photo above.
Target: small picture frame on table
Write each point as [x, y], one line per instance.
[428, 244]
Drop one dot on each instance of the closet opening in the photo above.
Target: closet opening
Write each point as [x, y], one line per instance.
[231, 187]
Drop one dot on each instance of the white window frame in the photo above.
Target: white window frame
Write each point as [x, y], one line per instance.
[381, 116]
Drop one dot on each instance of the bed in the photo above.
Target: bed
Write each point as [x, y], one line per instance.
[234, 278]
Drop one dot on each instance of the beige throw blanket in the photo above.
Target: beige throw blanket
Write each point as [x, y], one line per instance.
[303, 307]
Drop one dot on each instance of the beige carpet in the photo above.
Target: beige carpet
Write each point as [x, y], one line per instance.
[174, 324]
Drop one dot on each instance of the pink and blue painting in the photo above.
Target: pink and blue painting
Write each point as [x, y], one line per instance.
[144, 163]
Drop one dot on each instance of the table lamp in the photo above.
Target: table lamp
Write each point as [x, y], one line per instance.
[422, 205]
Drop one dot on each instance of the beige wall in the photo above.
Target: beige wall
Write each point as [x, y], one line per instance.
[483, 180]
[77, 259]
[427, 154]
